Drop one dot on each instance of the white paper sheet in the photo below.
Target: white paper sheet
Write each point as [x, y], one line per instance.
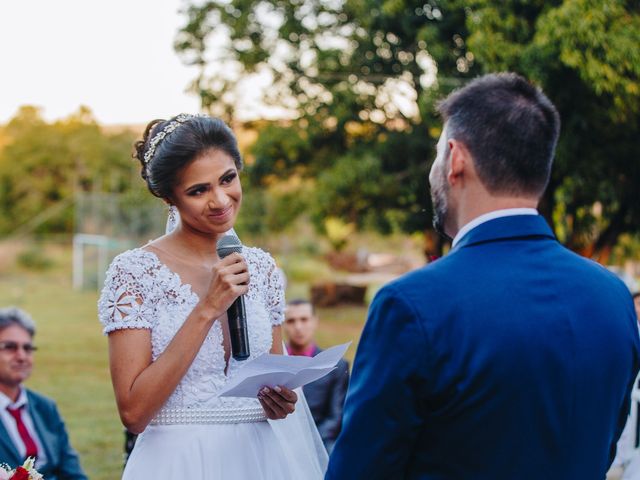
[287, 371]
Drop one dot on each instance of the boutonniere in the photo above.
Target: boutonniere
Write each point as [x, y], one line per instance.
[26, 471]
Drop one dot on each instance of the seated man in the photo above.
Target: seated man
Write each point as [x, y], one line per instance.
[30, 425]
[326, 395]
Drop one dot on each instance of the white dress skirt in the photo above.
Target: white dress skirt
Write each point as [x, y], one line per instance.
[288, 449]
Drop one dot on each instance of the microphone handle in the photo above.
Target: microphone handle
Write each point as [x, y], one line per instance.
[238, 334]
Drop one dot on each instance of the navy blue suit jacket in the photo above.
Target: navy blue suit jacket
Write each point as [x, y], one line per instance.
[62, 460]
[510, 358]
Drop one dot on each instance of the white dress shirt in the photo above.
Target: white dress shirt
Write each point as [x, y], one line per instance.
[507, 212]
[12, 428]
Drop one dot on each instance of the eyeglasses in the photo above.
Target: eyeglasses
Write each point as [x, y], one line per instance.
[14, 346]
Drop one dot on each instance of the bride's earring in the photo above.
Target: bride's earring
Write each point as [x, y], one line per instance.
[173, 219]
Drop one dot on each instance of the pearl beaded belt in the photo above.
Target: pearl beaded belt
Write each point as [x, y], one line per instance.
[182, 416]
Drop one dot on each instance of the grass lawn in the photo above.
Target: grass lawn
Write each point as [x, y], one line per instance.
[71, 364]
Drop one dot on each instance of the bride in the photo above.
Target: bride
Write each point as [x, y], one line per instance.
[164, 308]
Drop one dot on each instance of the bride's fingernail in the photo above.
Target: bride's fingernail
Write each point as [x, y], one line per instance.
[277, 389]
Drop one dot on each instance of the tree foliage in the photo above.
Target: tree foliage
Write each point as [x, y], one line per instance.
[44, 164]
[353, 88]
[359, 79]
[585, 57]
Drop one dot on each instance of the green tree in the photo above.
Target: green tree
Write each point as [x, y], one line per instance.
[359, 78]
[585, 56]
[357, 130]
[43, 165]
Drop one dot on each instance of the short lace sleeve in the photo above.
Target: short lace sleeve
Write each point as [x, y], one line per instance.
[125, 302]
[274, 295]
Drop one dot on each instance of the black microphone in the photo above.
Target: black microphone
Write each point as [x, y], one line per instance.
[236, 314]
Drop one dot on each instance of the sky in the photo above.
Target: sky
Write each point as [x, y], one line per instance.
[115, 56]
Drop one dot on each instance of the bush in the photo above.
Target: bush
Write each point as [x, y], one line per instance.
[34, 258]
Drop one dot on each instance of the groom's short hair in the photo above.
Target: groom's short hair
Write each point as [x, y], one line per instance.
[510, 128]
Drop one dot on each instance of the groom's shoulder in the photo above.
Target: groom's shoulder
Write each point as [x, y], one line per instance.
[440, 269]
[431, 280]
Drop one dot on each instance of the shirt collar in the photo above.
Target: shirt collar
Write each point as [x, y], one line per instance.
[306, 353]
[507, 212]
[20, 402]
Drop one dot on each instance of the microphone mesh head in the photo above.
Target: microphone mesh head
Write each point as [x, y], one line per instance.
[227, 245]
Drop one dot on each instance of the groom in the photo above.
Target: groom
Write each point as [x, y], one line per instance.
[511, 357]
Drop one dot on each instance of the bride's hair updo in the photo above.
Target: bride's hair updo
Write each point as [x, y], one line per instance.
[168, 146]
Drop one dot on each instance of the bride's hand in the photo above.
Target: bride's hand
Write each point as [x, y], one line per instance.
[277, 402]
[229, 280]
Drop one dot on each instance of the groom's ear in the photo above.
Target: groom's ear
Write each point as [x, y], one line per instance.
[460, 162]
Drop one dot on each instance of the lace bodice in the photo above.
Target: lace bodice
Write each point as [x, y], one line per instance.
[141, 292]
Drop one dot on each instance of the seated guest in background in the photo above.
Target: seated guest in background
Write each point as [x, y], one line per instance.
[129, 442]
[326, 395]
[30, 425]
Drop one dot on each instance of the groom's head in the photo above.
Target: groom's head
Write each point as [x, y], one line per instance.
[498, 141]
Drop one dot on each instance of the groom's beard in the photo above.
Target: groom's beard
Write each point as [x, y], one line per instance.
[440, 207]
[438, 226]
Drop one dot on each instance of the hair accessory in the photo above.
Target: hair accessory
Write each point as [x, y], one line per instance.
[158, 137]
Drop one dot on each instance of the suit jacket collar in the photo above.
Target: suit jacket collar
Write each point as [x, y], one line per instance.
[44, 434]
[7, 445]
[504, 228]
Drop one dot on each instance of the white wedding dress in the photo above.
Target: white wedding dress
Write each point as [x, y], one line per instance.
[196, 434]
